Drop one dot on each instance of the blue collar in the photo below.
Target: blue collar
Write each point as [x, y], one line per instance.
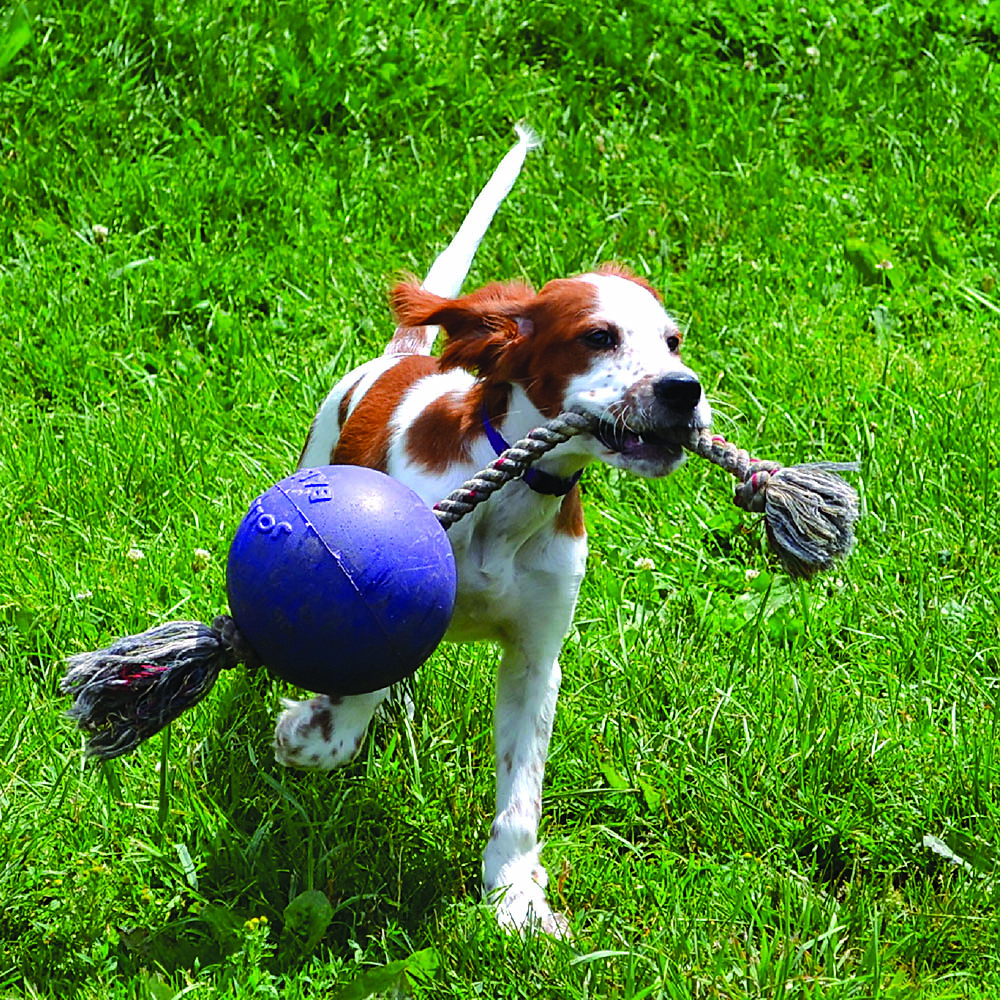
[541, 482]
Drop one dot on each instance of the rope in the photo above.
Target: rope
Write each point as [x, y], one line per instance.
[753, 473]
[508, 465]
[809, 511]
[131, 690]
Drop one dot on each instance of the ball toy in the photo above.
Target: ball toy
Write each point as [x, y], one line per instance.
[340, 580]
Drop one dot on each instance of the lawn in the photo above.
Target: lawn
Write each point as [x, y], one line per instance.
[756, 788]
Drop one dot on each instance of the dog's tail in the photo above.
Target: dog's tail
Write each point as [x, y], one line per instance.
[452, 265]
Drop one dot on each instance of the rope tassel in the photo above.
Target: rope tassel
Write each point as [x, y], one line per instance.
[126, 693]
[809, 511]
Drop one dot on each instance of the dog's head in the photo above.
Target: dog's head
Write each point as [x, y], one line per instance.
[601, 343]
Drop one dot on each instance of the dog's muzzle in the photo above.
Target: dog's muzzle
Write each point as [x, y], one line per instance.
[657, 417]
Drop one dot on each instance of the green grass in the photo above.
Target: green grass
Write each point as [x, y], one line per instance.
[743, 771]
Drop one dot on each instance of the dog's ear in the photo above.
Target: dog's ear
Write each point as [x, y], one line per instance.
[480, 327]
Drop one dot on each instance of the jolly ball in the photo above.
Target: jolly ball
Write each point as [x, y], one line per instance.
[341, 579]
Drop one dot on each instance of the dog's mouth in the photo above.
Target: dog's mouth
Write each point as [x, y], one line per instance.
[641, 445]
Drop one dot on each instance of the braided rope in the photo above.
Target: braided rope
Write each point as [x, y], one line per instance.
[508, 465]
[124, 694]
[753, 473]
[809, 512]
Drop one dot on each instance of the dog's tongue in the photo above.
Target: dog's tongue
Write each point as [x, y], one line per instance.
[620, 438]
[629, 441]
[635, 446]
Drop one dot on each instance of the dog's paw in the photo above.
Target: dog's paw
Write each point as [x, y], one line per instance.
[323, 732]
[521, 906]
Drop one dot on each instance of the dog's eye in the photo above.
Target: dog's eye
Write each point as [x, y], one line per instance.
[673, 343]
[601, 338]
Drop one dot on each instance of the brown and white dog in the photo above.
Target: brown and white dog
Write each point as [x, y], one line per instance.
[512, 358]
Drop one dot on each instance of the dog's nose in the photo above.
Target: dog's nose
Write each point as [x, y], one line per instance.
[678, 391]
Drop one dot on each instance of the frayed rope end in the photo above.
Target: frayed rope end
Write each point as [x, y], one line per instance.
[809, 514]
[128, 692]
[809, 511]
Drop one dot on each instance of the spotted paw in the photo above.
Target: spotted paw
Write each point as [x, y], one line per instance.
[521, 906]
[324, 732]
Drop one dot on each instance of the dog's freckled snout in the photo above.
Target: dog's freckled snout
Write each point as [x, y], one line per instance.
[679, 391]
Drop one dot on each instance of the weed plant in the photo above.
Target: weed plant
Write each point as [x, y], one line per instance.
[756, 789]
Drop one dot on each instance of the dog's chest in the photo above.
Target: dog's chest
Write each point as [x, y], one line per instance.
[510, 579]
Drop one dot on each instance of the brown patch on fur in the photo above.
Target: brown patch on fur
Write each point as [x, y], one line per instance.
[439, 437]
[443, 434]
[324, 719]
[569, 520]
[364, 438]
[342, 409]
[544, 362]
[480, 326]
[506, 333]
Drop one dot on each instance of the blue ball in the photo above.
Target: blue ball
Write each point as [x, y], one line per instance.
[341, 579]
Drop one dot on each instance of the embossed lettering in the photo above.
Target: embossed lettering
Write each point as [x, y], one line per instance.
[268, 524]
[318, 492]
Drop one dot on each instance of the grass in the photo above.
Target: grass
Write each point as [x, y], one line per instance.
[743, 771]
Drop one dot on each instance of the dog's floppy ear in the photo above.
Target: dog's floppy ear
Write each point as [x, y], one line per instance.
[480, 327]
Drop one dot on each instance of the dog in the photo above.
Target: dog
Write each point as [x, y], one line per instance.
[600, 342]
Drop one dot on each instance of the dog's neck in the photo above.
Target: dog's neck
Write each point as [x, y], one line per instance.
[563, 463]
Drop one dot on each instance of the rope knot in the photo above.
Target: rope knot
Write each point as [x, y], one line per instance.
[751, 494]
[235, 643]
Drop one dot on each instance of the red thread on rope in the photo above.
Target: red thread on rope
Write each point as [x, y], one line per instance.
[141, 673]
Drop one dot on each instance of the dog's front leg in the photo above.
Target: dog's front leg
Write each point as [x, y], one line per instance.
[324, 732]
[513, 878]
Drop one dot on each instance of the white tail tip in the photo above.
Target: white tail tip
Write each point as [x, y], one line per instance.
[528, 136]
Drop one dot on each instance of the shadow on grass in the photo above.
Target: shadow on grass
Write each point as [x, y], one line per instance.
[269, 834]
